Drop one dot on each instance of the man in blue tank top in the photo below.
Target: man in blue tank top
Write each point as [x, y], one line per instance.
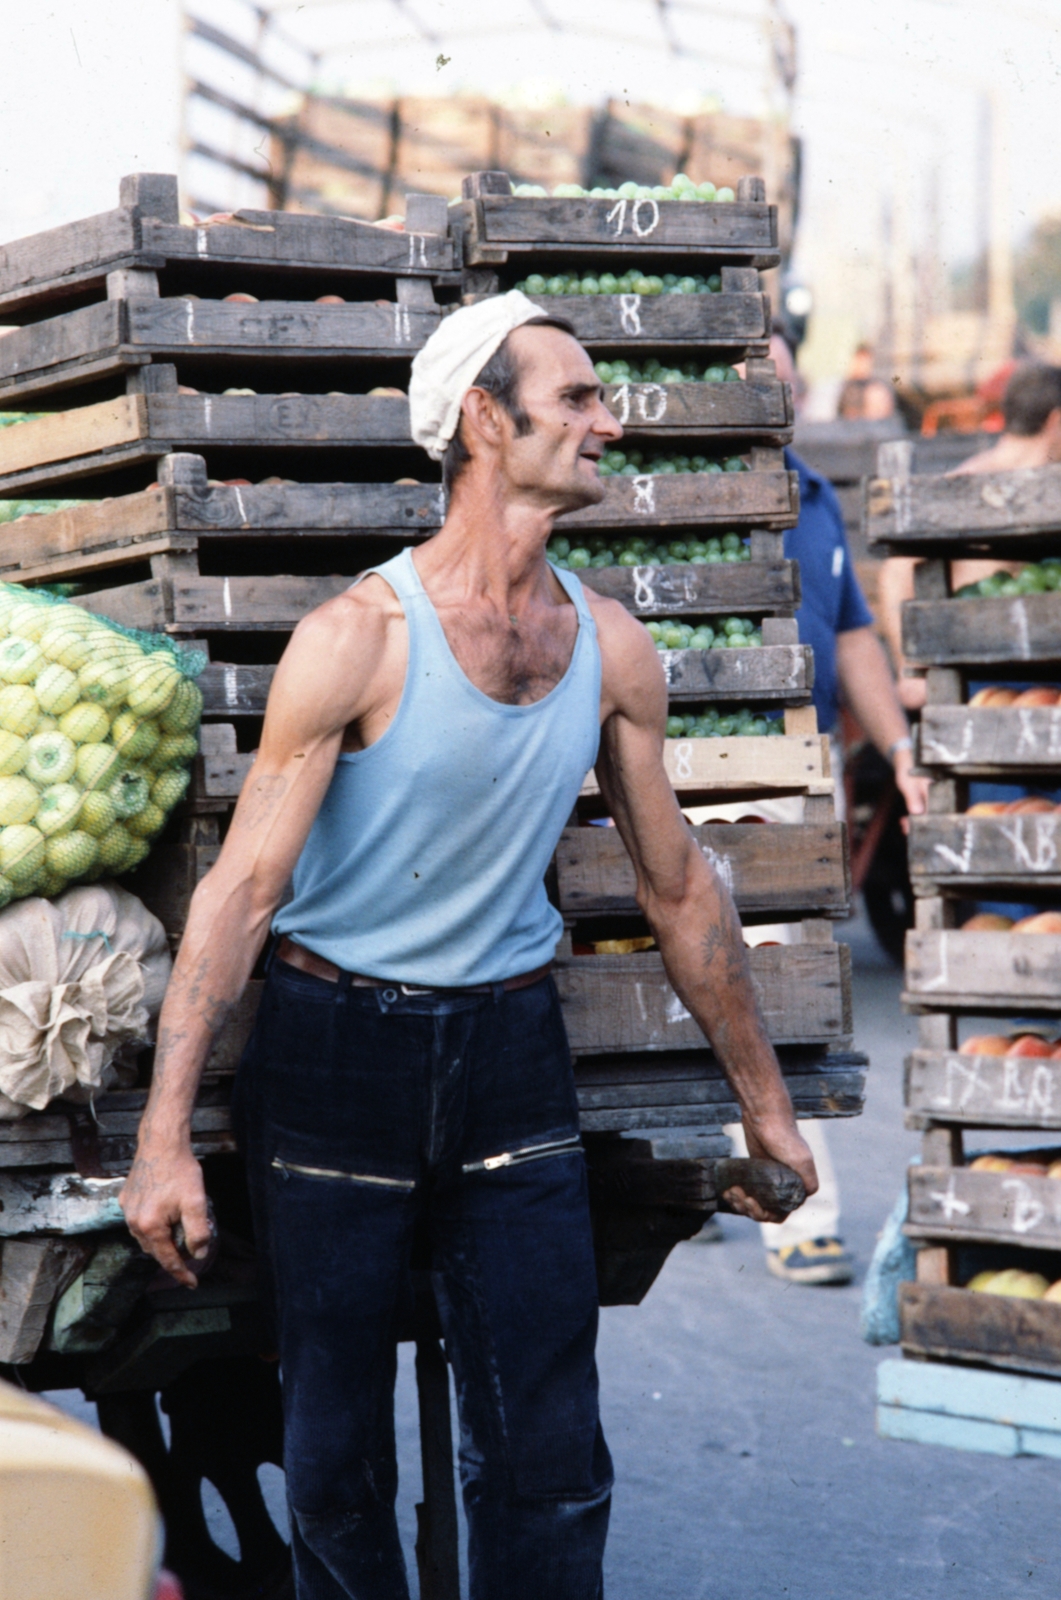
[425, 739]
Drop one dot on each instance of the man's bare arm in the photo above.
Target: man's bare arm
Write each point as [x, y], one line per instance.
[688, 908]
[309, 707]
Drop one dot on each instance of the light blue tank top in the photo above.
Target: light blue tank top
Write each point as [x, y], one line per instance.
[426, 861]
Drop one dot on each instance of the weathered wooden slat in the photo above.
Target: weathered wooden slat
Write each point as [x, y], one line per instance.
[706, 321]
[984, 740]
[718, 588]
[780, 672]
[948, 968]
[832, 1096]
[960, 1325]
[32, 1273]
[949, 1086]
[934, 515]
[960, 850]
[800, 867]
[315, 509]
[929, 1402]
[77, 256]
[73, 433]
[116, 334]
[956, 1203]
[618, 1003]
[794, 764]
[499, 226]
[61, 543]
[982, 632]
[692, 499]
[758, 407]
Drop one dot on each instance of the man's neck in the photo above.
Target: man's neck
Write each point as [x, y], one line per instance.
[489, 550]
[1014, 452]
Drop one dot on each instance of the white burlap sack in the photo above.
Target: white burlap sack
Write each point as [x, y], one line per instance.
[81, 979]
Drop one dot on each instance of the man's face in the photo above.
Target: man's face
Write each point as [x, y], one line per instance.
[556, 462]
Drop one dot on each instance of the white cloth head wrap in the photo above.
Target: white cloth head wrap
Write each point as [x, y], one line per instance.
[451, 360]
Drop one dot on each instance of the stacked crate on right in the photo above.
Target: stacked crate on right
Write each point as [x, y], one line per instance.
[983, 963]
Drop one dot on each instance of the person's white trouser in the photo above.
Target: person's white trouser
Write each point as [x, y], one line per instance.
[818, 1217]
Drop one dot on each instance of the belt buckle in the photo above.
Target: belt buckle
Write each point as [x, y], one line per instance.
[409, 988]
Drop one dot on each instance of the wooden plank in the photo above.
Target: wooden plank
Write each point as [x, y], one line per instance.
[722, 322]
[982, 741]
[946, 967]
[956, 1204]
[991, 511]
[60, 543]
[117, 334]
[72, 433]
[618, 1003]
[757, 407]
[33, 1273]
[845, 451]
[964, 1409]
[78, 252]
[692, 499]
[298, 242]
[951, 851]
[982, 632]
[800, 867]
[950, 1086]
[780, 672]
[498, 226]
[313, 509]
[716, 589]
[792, 764]
[960, 1325]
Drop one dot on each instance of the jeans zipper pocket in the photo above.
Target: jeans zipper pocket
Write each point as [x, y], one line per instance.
[293, 1168]
[533, 1152]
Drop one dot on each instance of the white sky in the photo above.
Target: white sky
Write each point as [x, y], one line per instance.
[888, 96]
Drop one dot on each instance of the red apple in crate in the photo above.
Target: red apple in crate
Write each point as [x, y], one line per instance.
[991, 1164]
[1030, 1044]
[1032, 804]
[989, 808]
[1042, 922]
[330, 300]
[985, 1044]
[988, 922]
[1029, 1169]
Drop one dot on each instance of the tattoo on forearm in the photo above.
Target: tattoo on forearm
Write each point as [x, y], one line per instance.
[262, 800]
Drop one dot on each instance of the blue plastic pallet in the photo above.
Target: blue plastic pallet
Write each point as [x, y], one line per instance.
[996, 1413]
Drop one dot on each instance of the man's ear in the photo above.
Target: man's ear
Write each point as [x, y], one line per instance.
[482, 417]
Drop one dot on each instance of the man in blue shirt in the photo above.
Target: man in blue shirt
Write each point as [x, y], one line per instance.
[850, 665]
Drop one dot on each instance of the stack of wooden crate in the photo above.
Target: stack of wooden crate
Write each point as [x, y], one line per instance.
[125, 339]
[969, 1218]
[640, 1058]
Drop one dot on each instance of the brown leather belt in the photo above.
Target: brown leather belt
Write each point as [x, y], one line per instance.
[296, 955]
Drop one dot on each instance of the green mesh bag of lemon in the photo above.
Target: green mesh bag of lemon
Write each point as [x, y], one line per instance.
[98, 728]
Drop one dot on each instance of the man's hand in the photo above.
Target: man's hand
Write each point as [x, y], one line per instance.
[776, 1138]
[913, 789]
[164, 1188]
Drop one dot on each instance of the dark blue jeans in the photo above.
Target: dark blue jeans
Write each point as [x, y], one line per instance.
[365, 1115]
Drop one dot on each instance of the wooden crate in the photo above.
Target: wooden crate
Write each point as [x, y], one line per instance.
[950, 970]
[954, 1088]
[737, 768]
[729, 324]
[1018, 632]
[759, 407]
[943, 1323]
[770, 868]
[991, 1413]
[952, 1205]
[688, 1089]
[498, 227]
[617, 1004]
[991, 741]
[116, 336]
[962, 853]
[144, 232]
[994, 513]
[62, 448]
[49, 1138]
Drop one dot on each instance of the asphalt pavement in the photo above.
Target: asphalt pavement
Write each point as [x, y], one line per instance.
[739, 1411]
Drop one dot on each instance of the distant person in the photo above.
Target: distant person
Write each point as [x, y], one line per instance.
[850, 665]
[1031, 410]
[864, 398]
